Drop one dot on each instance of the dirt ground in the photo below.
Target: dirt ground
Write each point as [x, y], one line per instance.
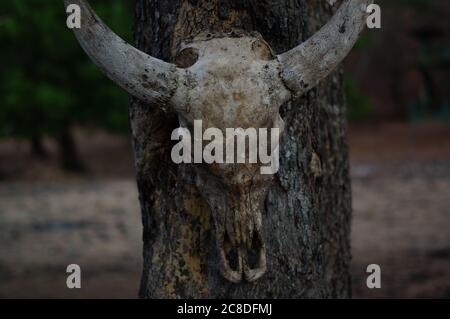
[50, 219]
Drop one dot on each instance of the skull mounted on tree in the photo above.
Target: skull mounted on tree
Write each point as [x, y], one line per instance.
[231, 79]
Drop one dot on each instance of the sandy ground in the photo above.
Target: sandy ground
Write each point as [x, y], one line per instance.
[48, 219]
[46, 226]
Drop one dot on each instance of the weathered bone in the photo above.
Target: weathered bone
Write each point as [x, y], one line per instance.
[313, 60]
[233, 82]
[141, 75]
[228, 81]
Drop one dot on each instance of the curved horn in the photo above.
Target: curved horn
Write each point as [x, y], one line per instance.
[310, 62]
[141, 75]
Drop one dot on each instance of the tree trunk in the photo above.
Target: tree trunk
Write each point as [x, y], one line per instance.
[69, 158]
[308, 209]
[37, 147]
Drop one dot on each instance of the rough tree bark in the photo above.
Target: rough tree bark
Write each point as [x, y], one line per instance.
[308, 209]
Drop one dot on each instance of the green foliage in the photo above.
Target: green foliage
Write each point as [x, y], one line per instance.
[359, 105]
[47, 83]
[365, 41]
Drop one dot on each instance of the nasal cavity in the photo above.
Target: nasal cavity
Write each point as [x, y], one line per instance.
[231, 253]
[253, 253]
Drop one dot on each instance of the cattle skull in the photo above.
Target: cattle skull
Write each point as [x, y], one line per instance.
[229, 81]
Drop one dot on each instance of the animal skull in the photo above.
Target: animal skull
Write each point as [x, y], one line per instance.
[233, 81]
[228, 81]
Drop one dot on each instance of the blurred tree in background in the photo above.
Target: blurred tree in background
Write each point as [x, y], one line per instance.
[431, 34]
[401, 72]
[47, 84]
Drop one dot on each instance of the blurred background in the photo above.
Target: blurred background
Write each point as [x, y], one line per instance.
[67, 190]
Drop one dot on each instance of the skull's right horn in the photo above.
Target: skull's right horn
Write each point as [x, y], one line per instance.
[145, 77]
[310, 62]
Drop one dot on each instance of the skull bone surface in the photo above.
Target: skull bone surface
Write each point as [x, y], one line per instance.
[233, 81]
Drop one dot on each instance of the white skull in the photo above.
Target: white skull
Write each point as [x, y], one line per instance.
[232, 82]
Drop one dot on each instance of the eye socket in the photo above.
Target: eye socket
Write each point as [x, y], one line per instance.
[263, 50]
[186, 58]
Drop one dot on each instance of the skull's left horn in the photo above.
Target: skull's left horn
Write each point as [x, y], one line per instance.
[145, 77]
[310, 62]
